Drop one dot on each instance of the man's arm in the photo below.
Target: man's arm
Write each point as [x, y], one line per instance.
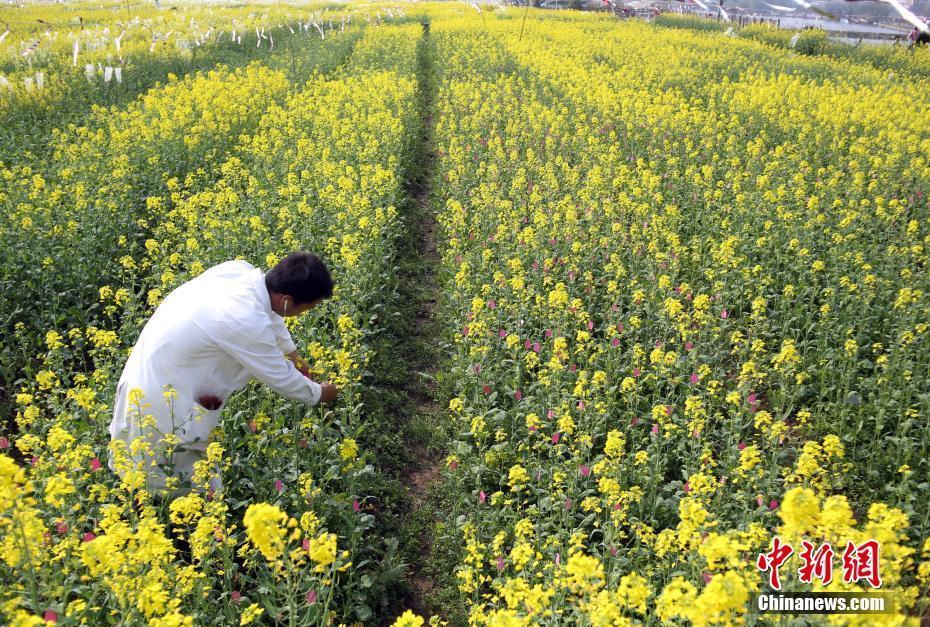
[248, 340]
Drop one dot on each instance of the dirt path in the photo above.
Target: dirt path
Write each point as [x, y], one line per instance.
[420, 289]
[420, 392]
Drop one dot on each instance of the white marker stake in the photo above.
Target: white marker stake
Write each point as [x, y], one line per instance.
[28, 81]
[40, 80]
[5, 83]
[118, 73]
[77, 49]
[107, 74]
[90, 71]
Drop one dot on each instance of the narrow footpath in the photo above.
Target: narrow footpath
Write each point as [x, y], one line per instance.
[409, 359]
[419, 389]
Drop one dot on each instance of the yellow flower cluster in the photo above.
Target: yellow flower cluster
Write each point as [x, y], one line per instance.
[267, 527]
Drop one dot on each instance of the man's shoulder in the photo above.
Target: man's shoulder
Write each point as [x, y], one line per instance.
[233, 266]
[232, 270]
[232, 290]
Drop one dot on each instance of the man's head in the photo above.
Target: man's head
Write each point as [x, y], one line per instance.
[298, 283]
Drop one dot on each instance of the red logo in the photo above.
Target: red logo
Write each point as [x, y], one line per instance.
[816, 563]
[773, 560]
[860, 563]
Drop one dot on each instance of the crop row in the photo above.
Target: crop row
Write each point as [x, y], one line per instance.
[685, 287]
[319, 168]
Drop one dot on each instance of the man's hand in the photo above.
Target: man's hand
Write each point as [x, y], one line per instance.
[209, 401]
[329, 392]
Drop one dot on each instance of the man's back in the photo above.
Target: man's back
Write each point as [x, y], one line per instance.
[180, 343]
[183, 350]
[208, 338]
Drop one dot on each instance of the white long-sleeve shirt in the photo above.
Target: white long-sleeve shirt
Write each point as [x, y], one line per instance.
[210, 336]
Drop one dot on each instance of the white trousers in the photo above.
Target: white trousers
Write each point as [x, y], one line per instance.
[183, 460]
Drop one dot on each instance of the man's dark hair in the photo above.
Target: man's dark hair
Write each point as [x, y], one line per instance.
[302, 276]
